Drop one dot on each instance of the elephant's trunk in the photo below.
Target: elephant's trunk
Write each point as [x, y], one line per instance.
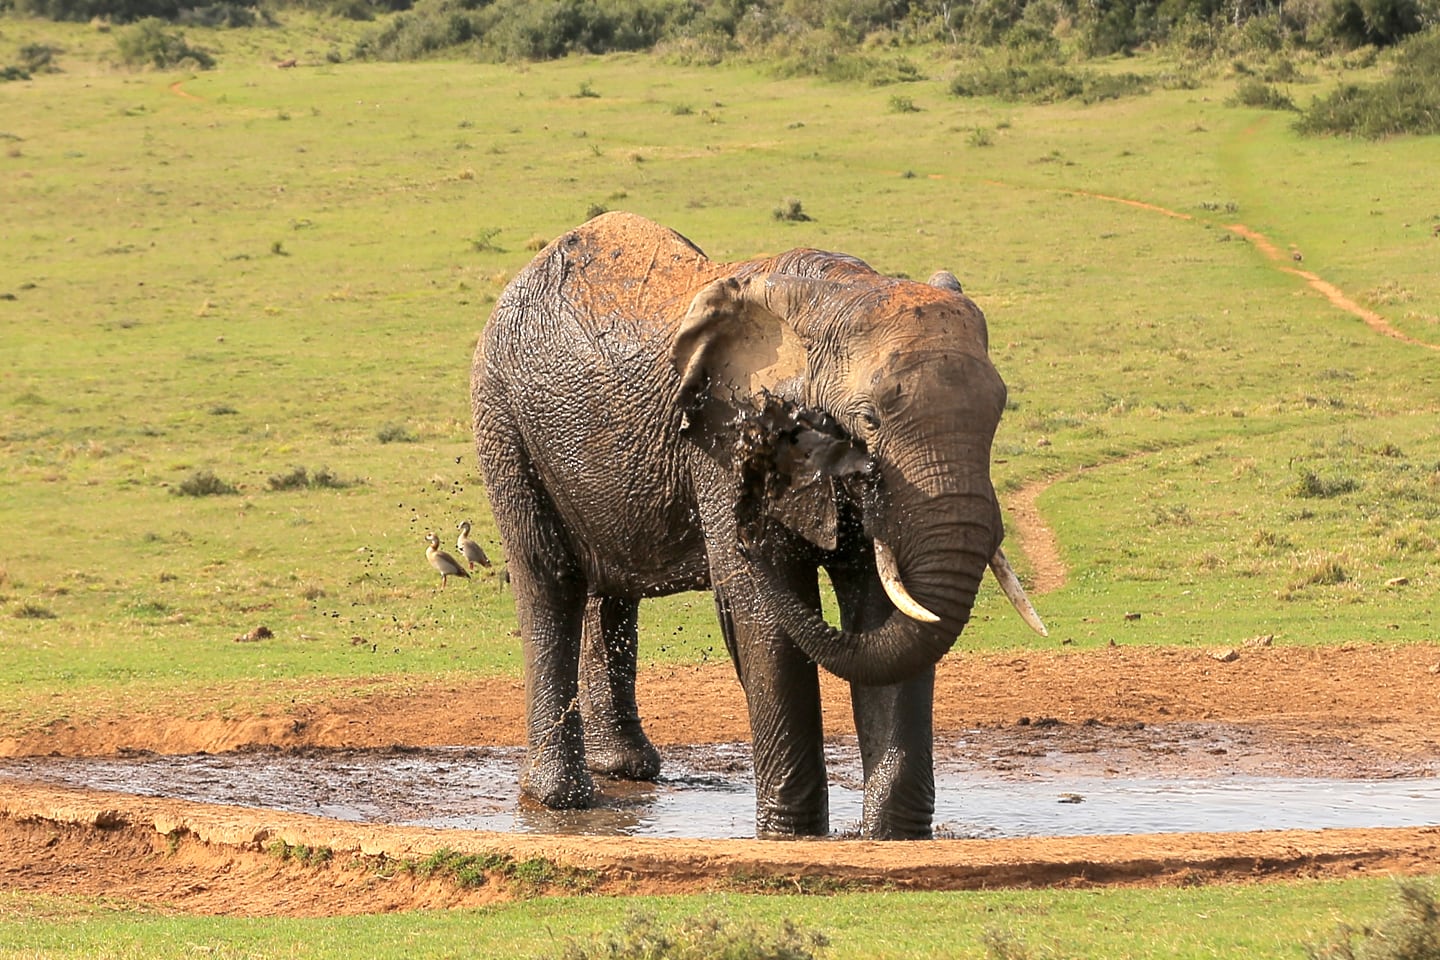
[931, 577]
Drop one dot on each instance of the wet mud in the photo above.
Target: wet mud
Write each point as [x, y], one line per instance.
[1038, 778]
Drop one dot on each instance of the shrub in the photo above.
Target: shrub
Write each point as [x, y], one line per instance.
[899, 104]
[791, 210]
[641, 937]
[149, 43]
[1406, 102]
[302, 479]
[395, 433]
[1411, 931]
[39, 58]
[1310, 485]
[203, 483]
[1046, 83]
[33, 611]
[1254, 92]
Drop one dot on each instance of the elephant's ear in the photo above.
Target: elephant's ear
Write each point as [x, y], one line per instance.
[946, 280]
[733, 344]
[740, 351]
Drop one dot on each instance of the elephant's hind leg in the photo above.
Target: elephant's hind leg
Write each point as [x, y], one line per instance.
[615, 744]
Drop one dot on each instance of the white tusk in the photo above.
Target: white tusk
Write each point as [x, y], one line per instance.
[1014, 592]
[895, 589]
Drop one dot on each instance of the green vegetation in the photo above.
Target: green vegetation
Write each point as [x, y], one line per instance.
[1177, 923]
[1410, 931]
[701, 937]
[166, 374]
[1406, 101]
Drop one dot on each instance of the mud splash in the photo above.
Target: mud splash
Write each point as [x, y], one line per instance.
[1044, 779]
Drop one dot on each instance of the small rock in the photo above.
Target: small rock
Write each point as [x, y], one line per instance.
[1132, 616]
[1071, 798]
[1263, 640]
[261, 632]
[1227, 655]
[1435, 668]
[1397, 581]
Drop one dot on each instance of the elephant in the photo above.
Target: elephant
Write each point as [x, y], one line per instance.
[650, 421]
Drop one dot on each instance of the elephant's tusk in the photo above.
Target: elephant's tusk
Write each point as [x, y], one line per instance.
[895, 589]
[1015, 592]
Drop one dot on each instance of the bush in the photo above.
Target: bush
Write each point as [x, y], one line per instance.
[302, 479]
[1406, 102]
[395, 433]
[791, 210]
[698, 938]
[1046, 83]
[1411, 931]
[1254, 92]
[149, 43]
[203, 483]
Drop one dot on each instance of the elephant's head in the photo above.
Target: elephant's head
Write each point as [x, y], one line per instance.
[871, 393]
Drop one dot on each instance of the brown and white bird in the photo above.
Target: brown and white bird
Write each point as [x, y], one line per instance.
[469, 549]
[446, 565]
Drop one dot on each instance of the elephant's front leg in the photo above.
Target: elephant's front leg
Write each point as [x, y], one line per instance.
[615, 743]
[894, 725]
[782, 692]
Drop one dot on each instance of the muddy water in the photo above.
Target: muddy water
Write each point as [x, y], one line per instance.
[1033, 780]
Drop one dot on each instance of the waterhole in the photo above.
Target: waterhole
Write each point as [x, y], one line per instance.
[1022, 781]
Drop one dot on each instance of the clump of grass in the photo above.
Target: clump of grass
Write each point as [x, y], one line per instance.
[1254, 92]
[902, 104]
[536, 243]
[981, 137]
[1310, 485]
[595, 210]
[642, 937]
[302, 479]
[586, 92]
[484, 241]
[395, 433]
[203, 483]
[1176, 515]
[1410, 931]
[791, 210]
[301, 853]
[32, 611]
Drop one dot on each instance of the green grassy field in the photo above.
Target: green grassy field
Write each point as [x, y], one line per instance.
[251, 270]
[1114, 924]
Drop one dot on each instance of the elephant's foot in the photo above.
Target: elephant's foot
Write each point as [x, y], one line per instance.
[623, 758]
[775, 827]
[558, 786]
[888, 826]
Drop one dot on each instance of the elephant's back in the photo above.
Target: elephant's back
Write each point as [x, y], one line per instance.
[574, 370]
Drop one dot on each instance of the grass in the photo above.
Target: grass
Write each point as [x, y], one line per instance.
[1159, 367]
[1135, 924]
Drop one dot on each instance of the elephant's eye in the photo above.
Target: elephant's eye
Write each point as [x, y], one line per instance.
[869, 421]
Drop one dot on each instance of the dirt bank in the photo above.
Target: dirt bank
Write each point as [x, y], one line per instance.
[1377, 706]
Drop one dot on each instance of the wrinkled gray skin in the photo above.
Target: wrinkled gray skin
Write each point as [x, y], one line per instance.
[649, 421]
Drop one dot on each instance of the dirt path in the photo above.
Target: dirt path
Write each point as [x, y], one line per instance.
[1383, 701]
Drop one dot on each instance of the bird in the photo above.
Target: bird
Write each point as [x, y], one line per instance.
[447, 565]
[469, 549]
